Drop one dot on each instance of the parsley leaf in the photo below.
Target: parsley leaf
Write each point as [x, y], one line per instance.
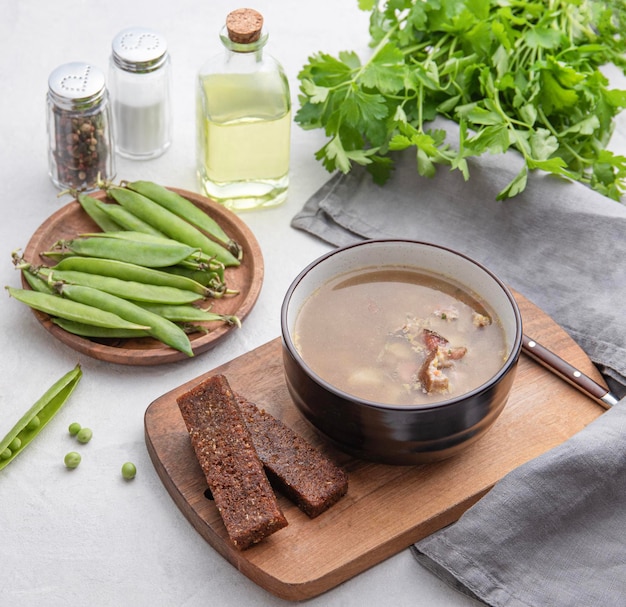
[520, 75]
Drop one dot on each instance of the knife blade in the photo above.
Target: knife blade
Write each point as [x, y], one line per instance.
[553, 362]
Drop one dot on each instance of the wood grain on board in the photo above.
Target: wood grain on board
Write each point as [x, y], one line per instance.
[387, 508]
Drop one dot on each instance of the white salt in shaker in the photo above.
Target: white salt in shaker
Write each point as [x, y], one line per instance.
[139, 85]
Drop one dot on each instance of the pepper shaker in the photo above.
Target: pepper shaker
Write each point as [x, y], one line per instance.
[139, 82]
[80, 141]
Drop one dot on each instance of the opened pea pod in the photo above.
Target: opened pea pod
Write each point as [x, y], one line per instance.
[38, 416]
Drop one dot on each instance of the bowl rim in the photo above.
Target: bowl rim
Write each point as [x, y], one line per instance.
[510, 361]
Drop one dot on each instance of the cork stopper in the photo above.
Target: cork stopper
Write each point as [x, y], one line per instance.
[244, 25]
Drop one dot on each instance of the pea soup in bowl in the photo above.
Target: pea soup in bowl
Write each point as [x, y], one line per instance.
[399, 351]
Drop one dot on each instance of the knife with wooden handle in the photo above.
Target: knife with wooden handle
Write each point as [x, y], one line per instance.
[572, 375]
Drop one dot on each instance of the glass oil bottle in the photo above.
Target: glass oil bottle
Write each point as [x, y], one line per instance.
[243, 119]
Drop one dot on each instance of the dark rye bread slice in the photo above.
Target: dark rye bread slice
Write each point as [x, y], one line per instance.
[296, 468]
[224, 448]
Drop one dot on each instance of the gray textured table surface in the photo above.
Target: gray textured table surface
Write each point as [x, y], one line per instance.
[90, 538]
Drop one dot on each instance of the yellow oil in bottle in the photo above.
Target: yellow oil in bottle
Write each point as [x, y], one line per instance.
[243, 138]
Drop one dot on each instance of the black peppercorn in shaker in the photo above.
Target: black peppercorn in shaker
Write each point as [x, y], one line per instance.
[80, 146]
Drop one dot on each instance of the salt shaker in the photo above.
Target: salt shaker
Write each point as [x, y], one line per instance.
[80, 139]
[244, 119]
[139, 84]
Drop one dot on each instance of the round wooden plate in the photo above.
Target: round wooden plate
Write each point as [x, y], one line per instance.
[247, 278]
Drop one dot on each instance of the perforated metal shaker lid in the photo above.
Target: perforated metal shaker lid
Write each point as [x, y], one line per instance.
[138, 49]
[76, 84]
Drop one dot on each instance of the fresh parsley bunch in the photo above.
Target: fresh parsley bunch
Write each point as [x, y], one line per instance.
[520, 74]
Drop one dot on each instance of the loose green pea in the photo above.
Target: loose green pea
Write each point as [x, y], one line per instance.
[129, 470]
[84, 435]
[72, 459]
[74, 428]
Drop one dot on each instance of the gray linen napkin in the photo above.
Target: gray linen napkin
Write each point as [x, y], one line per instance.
[553, 532]
[560, 244]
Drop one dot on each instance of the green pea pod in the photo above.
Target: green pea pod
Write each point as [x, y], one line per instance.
[38, 416]
[126, 289]
[214, 279]
[170, 224]
[58, 307]
[125, 218]
[195, 260]
[36, 283]
[185, 209]
[84, 330]
[91, 206]
[158, 327]
[130, 271]
[134, 235]
[148, 254]
[201, 261]
[189, 314]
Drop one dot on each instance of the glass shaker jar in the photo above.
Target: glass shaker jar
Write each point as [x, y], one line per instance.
[139, 84]
[80, 141]
[243, 119]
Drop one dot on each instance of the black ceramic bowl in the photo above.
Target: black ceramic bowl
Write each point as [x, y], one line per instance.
[394, 434]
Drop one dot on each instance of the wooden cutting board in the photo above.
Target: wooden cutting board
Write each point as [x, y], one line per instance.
[387, 508]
